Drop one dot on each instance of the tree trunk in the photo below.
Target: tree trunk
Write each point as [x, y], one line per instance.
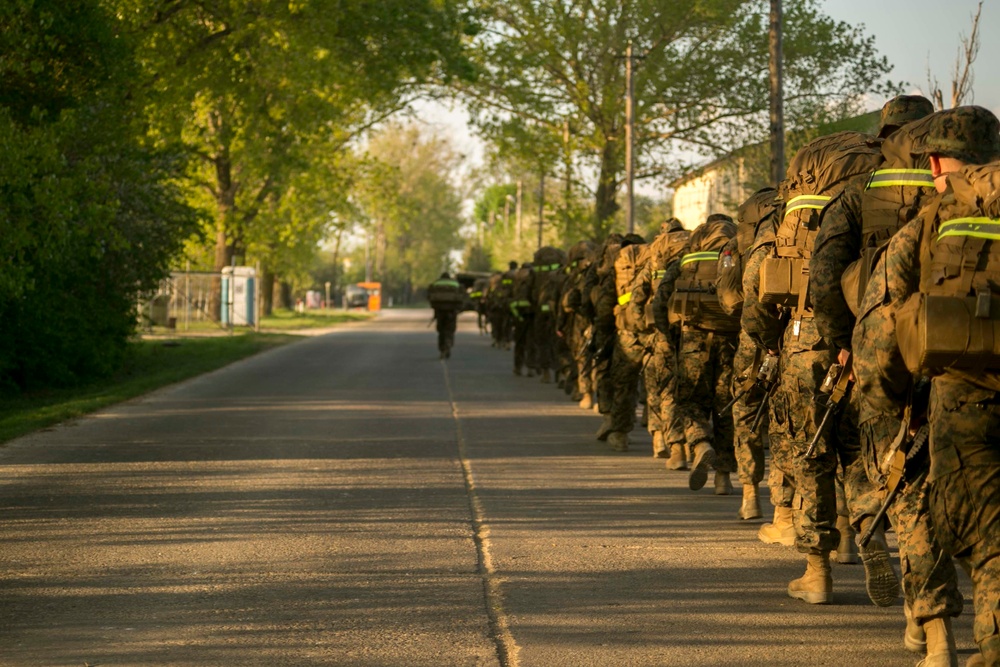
[225, 200]
[267, 291]
[606, 205]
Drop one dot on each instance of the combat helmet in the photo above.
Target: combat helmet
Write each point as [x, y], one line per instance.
[969, 133]
[901, 110]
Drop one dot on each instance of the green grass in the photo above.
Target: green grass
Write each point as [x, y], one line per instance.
[286, 320]
[151, 364]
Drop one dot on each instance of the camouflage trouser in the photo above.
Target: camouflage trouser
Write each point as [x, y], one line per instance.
[522, 335]
[623, 381]
[703, 375]
[930, 585]
[447, 322]
[748, 444]
[965, 499]
[543, 331]
[581, 354]
[656, 379]
[794, 417]
[605, 338]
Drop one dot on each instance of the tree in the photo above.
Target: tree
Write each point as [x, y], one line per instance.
[252, 88]
[412, 208]
[700, 86]
[962, 74]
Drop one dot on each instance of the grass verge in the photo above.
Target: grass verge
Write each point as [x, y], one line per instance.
[151, 364]
[289, 320]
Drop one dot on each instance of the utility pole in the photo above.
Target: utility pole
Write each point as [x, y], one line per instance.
[518, 212]
[629, 135]
[541, 206]
[506, 215]
[777, 124]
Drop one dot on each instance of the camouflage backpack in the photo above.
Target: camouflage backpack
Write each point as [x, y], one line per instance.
[751, 213]
[548, 262]
[817, 174]
[445, 293]
[893, 196]
[953, 323]
[667, 247]
[628, 264]
[694, 301]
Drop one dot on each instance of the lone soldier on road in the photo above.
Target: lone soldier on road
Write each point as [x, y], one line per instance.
[445, 295]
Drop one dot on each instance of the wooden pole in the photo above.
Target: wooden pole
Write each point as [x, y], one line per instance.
[777, 125]
[629, 132]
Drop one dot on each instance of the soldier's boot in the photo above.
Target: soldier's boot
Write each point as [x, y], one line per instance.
[816, 585]
[618, 441]
[941, 649]
[704, 457]
[847, 550]
[989, 653]
[645, 415]
[660, 449]
[880, 577]
[587, 402]
[546, 376]
[596, 408]
[914, 639]
[750, 509]
[780, 530]
[723, 485]
[677, 460]
[517, 370]
[531, 373]
[605, 429]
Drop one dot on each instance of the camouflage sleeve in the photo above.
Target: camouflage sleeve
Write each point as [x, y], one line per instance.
[762, 323]
[640, 287]
[837, 245]
[661, 315]
[882, 377]
[729, 283]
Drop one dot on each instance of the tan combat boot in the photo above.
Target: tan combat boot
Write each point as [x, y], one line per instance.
[618, 441]
[704, 457]
[605, 429]
[816, 585]
[587, 402]
[750, 509]
[881, 581]
[660, 449]
[847, 550]
[914, 639]
[546, 376]
[780, 530]
[941, 649]
[677, 460]
[723, 485]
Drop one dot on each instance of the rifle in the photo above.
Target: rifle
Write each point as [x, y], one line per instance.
[767, 379]
[749, 382]
[896, 460]
[837, 383]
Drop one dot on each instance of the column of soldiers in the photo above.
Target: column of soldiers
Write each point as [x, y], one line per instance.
[847, 321]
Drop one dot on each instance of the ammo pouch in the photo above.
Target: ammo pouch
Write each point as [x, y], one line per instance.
[949, 332]
[855, 280]
[781, 280]
[694, 305]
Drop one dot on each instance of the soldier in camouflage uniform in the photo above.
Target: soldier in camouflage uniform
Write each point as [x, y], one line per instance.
[574, 327]
[502, 321]
[781, 320]
[686, 302]
[599, 305]
[544, 287]
[523, 316]
[659, 353]
[949, 253]
[748, 444]
[867, 213]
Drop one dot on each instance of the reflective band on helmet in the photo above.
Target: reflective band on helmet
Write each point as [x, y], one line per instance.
[547, 267]
[980, 228]
[886, 178]
[817, 202]
[700, 257]
[624, 298]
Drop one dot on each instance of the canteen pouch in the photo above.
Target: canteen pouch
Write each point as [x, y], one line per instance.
[781, 280]
[854, 281]
[949, 332]
[699, 307]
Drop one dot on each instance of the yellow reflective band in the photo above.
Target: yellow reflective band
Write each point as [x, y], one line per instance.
[445, 283]
[475, 295]
[979, 228]
[545, 308]
[699, 257]
[624, 298]
[886, 178]
[817, 202]
[658, 274]
[507, 281]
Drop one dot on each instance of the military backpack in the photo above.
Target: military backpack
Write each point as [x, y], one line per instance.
[694, 301]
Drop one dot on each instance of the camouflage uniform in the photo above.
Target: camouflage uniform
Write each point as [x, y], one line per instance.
[599, 285]
[523, 318]
[703, 359]
[544, 287]
[659, 352]
[964, 407]
[573, 322]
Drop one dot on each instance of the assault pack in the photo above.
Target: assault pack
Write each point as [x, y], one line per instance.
[694, 301]
[547, 278]
[953, 323]
[817, 174]
[445, 293]
[893, 196]
[751, 213]
[628, 264]
[663, 250]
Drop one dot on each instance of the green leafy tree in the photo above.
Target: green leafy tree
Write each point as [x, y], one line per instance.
[701, 85]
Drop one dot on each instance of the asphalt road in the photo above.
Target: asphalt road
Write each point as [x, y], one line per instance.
[352, 500]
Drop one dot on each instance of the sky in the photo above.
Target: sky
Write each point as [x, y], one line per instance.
[916, 36]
